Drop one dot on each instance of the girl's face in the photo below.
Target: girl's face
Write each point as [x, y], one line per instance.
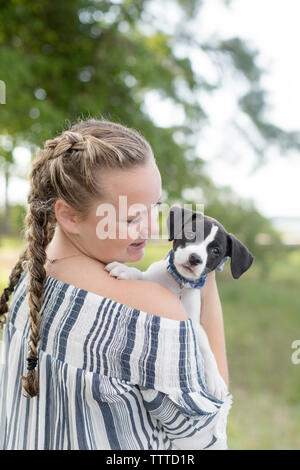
[128, 214]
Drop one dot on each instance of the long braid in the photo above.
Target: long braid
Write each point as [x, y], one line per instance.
[37, 240]
[66, 168]
[39, 224]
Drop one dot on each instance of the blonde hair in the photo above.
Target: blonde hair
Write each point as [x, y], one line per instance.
[66, 168]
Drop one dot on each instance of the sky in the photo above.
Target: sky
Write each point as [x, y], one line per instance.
[272, 27]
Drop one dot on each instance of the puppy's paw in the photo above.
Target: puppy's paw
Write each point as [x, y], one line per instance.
[121, 271]
[118, 270]
[215, 383]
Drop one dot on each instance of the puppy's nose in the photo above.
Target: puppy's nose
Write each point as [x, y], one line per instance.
[194, 259]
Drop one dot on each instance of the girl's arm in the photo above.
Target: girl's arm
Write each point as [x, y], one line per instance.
[211, 319]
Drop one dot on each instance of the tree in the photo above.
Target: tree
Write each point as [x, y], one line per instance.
[6, 165]
[61, 60]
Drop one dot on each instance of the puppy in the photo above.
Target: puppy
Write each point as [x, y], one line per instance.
[200, 245]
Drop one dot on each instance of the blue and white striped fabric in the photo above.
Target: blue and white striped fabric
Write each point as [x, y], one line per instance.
[111, 377]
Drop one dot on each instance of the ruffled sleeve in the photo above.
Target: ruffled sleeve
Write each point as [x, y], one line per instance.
[167, 366]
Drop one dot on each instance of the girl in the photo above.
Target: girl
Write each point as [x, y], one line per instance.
[111, 364]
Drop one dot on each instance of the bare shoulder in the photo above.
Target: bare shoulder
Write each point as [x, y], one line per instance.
[152, 298]
[148, 296]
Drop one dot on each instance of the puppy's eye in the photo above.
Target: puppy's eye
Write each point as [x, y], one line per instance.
[215, 251]
[189, 234]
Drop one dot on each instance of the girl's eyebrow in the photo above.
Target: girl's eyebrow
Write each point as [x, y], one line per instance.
[155, 204]
[159, 199]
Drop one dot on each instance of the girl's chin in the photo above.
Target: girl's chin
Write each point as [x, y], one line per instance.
[136, 251]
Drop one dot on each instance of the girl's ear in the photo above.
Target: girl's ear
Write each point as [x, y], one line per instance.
[241, 258]
[66, 216]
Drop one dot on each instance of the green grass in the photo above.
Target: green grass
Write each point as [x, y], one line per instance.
[153, 252]
[10, 249]
[10, 244]
[261, 322]
[262, 319]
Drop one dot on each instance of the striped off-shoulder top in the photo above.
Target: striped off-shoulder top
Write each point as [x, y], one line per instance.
[111, 377]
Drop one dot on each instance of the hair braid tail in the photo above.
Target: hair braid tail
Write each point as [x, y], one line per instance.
[37, 239]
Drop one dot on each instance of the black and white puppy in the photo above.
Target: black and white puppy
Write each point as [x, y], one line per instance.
[200, 245]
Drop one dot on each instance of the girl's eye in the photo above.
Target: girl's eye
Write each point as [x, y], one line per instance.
[215, 251]
[138, 219]
[134, 221]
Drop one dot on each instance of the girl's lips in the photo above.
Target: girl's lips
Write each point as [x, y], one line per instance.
[139, 246]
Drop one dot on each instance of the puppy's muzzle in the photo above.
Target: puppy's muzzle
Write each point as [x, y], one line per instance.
[194, 259]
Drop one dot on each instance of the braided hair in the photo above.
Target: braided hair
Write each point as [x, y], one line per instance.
[66, 168]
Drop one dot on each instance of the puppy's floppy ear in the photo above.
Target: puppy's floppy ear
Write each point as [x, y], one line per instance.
[241, 258]
[179, 218]
[174, 221]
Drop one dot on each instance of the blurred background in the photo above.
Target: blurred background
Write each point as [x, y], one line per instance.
[214, 87]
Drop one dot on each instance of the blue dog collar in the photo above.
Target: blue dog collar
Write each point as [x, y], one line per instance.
[187, 282]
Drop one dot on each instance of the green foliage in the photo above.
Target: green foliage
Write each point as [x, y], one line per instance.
[254, 102]
[82, 58]
[16, 221]
[85, 58]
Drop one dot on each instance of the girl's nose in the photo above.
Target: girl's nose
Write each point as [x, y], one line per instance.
[149, 227]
